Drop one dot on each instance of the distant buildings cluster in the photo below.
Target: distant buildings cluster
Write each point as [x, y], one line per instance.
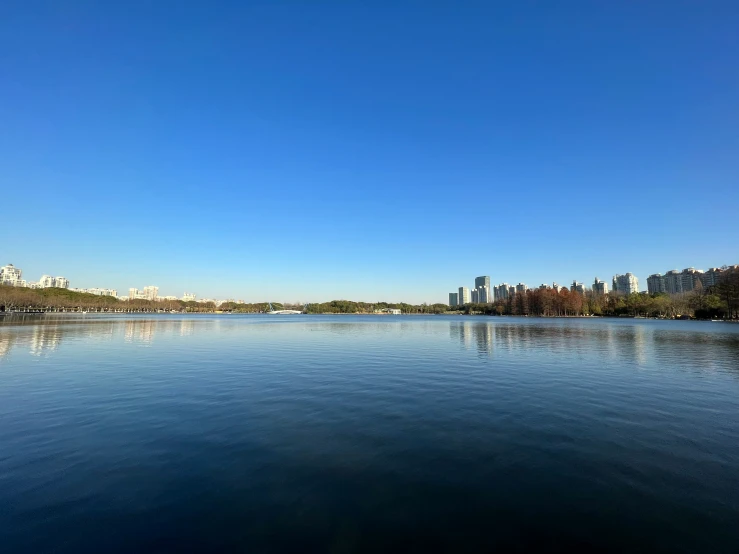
[672, 282]
[99, 292]
[482, 293]
[150, 292]
[13, 276]
[687, 280]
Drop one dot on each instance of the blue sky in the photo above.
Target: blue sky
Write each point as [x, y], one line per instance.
[385, 150]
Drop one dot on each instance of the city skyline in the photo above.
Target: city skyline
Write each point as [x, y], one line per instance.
[221, 164]
[682, 281]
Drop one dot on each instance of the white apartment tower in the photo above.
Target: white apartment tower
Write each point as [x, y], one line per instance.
[151, 292]
[10, 275]
[464, 296]
[625, 284]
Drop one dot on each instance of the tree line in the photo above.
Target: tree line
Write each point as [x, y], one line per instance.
[352, 307]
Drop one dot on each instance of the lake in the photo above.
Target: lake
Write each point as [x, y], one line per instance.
[367, 433]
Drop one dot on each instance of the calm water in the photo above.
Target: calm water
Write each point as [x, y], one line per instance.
[342, 434]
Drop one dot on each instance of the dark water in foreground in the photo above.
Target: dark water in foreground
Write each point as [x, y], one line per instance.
[341, 434]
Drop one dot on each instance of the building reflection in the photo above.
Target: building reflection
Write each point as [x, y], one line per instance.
[471, 334]
[140, 330]
[6, 343]
[187, 327]
[41, 335]
[45, 339]
[638, 343]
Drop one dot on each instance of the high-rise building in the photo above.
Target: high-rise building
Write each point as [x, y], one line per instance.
[484, 294]
[691, 278]
[711, 277]
[521, 288]
[578, 287]
[103, 292]
[511, 291]
[61, 282]
[46, 281]
[151, 292]
[483, 281]
[464, 296]
[475, 296]
[625, 284]
[600, 287]
[655, 283]
[673, 282]
[501, 292]
[189, 297]
[11, 275]
[453, 299]
[556, 287]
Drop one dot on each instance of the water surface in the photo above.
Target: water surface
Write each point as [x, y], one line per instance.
[364, 433]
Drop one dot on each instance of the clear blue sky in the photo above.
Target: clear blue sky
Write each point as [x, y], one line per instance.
[379, 150]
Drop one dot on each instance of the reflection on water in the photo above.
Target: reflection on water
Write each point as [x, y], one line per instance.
[481, 334]
[44, 334]
[348, 433]
[637, 342]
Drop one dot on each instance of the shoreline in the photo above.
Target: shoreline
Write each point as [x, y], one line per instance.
[13, 314]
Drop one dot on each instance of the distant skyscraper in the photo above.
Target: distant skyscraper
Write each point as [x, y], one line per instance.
[625, 284]
[61, 282]
[46, 281]
[453, 299]
[578, 287]
[655, 283]
[521, 288]
[691, 279]
[151, 292]
[189, 297]
[501, 292]
[10, 275]
[600, 287]
[484, 294]
[475, 296]
[711, 276]
[673, 282]
[556, 287]
[464, 296]
[481, 292]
